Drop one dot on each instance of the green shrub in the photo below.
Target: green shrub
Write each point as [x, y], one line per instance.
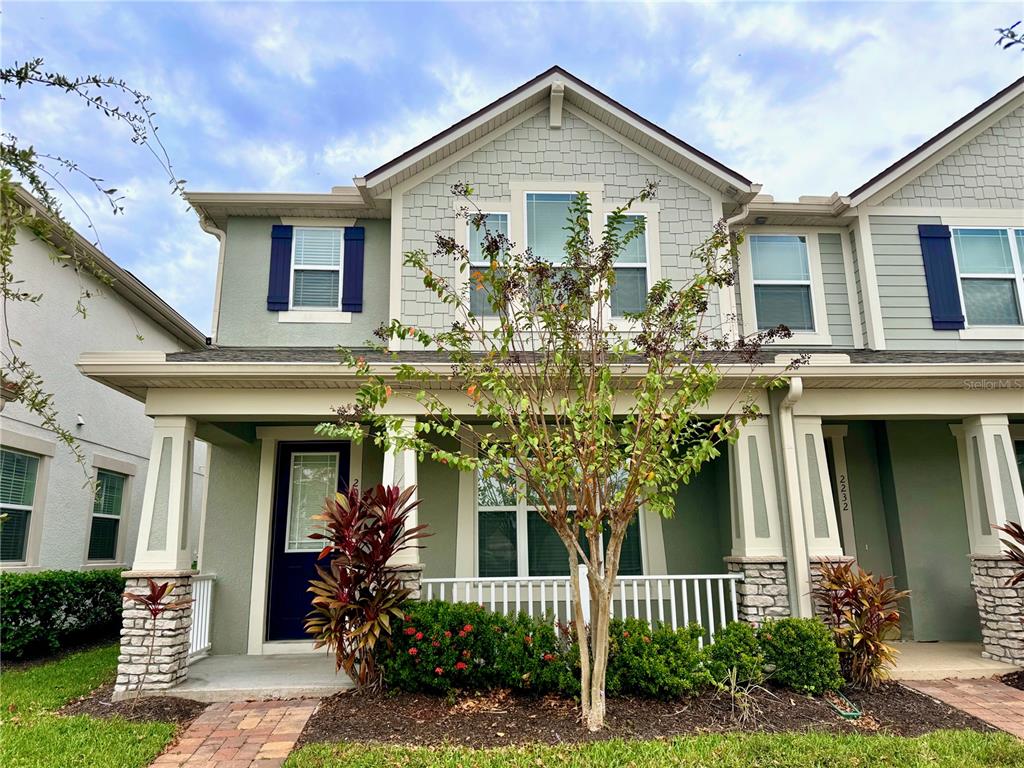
[736, 647]
[803, 654]
[439, 646]
[47, 610]
[660, 663]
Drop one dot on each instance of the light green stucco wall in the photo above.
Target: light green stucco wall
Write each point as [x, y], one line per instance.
[697, 536]
[244, 319]
[228, 541]
[869, 523]
[921, 475]
[439, 509]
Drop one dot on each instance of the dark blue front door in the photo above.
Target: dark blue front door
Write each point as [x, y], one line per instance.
[307, 474]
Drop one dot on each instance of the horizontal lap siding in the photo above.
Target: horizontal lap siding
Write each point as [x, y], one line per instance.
[837, 300]
[903, 292]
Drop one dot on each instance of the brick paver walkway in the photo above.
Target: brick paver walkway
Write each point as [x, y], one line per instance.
[987, 699]
[248, 734]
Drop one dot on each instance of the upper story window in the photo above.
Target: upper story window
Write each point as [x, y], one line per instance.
[106, 515]
[782, 282]
[514, 540]
[497, 223]
[316, 268]
[17, 490]
[990, 263]
[629, 294]
[547, 214]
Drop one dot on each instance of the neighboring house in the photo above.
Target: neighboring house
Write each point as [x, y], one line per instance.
[898, 444]
[53, 518]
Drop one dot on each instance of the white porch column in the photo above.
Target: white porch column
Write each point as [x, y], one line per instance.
[757, 550]
[992, 496]
[162, 553]
[400, 468]
[163, 527]
[992, 488]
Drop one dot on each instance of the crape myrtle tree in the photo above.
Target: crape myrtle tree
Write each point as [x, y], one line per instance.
[587, 418]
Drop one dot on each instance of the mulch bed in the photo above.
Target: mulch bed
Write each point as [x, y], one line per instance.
[502, 718]
[1014, 679]
[166, 709]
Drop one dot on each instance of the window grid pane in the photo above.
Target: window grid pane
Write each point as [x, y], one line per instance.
[14, 534]
[547, 217]
[103, 538]
[991, 302]
[314, 479]
[629, 294]
[983, 251]
[788, 305]
[109, 494]
[315, 288]
[17, 477]
[779, 257]
[635, 251]
[497, 543]
[496, 223]
[317, 248]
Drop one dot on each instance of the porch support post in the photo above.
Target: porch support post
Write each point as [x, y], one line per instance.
[400, 468]
[756, 527]
[154, 653]
[821, 523]
[992, 496]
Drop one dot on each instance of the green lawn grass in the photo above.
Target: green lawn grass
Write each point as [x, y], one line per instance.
[956, 749]
[32, 736]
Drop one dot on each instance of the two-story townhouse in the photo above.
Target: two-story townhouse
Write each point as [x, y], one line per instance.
[59, 513]
[898, 444]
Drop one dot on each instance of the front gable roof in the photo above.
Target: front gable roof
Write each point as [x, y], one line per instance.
[938, 146]
[557, 84]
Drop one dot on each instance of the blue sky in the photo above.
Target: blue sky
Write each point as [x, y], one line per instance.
[803, 98]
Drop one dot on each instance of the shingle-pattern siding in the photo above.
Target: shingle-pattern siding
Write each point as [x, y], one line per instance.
[577, 152]
[903, 292]
[987, 172]
[837, 300]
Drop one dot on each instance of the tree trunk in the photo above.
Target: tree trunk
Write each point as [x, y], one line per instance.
[581, 637]
[599, 620]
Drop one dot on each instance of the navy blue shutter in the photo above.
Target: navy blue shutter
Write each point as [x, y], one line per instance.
[352, 276]
[280, 268]
[940, 275]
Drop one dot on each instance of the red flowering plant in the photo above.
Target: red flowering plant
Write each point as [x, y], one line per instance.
[442, 646]
[358, 593]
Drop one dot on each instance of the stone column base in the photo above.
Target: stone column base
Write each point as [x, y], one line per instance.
[821, 609]
[1000, 608]
[137, 669]
[764, 591]
[411, 574]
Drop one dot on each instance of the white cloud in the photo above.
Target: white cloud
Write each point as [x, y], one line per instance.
[887, 90]
[277, 166]
[463, 91]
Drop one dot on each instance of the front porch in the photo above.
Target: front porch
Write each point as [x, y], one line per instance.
[832, 474]
[273, 676]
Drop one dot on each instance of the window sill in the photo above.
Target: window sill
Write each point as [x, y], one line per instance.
[103, 565]
[804, 340]
[993, 333]
[313, 316]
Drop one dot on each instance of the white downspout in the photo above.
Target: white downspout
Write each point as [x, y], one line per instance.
[222, 240]
[799, 557]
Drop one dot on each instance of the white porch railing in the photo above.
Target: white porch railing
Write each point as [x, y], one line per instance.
[202, 605]
[677, 600]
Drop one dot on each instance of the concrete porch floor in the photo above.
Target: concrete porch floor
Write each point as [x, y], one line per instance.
[278, 676]
[938, 661]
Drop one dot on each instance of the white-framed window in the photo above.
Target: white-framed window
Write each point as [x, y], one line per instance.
[18, 472]
[107, 507]
[547, 215]
[513, 539]
[632, 270]
[497, 223]
[782, 285]
[313, 477]
[990, 271]
[317, 258]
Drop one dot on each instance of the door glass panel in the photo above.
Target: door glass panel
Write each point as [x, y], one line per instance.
[314, 479]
